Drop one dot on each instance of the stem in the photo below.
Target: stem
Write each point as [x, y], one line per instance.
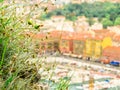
[3, 54]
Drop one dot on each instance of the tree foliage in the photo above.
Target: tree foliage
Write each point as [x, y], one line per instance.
[117, 21]
[90, 10]
[106, 22]
[16, 47]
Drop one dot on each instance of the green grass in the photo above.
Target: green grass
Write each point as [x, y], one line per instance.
[16, 48]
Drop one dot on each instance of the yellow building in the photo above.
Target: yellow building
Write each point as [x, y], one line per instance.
[94, 46]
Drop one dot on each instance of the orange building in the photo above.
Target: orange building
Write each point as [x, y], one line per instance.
[112, 53]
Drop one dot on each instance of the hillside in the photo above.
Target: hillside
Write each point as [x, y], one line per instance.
[107, 13]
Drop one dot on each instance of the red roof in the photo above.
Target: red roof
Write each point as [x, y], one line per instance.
[113, 52]
[101, 31]
[116, 38]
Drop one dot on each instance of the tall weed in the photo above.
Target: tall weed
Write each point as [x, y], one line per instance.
[15, 49]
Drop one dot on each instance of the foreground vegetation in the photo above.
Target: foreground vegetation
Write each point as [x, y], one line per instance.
[107, 13]
[19, 61]
[15, 74]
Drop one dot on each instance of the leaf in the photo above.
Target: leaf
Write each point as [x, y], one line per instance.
[7, 22]
[1, 40]
[30, 23]
[36, 26]
[1, 0]
[46, 37]
[8, 81]
[36, 5]
[45, 10]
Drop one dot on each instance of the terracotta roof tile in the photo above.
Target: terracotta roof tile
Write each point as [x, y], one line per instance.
[101, 31]
[113, 52]
[116, 38]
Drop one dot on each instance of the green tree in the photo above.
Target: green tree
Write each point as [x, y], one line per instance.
[106, 22]
[91, 21]
[90, 10]
[117, 21]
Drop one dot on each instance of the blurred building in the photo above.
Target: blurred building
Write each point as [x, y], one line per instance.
[58, 19]
[57, 23]
[81, 24]
[115, 29]
[60, 23]
[116, 36]
[96, 26]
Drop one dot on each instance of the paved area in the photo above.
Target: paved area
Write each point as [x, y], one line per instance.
[104, 77]
[80, 72]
